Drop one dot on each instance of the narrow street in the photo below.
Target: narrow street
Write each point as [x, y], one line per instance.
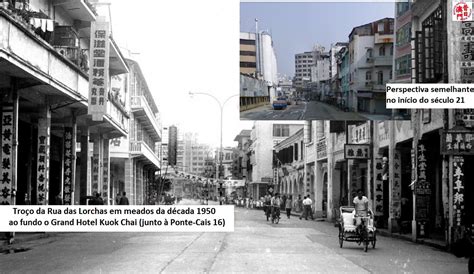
[256, 245]
[312, 110]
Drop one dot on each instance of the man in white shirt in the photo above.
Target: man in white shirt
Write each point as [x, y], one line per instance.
[361, 205]
[307, 202]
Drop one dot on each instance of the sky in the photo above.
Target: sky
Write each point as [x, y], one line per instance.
[296, 27]
[192, 46]
[186, 46]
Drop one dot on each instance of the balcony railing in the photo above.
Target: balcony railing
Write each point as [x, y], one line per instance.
[140, 148]
[140, 103]
[383, 61]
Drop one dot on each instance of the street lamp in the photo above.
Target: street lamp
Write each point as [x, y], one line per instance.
[221, 107]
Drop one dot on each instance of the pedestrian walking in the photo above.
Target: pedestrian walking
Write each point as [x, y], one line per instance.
[304, 214]
[288, 204]
[267, 205]
[117, 198]
[283, 202]
[299, 204]
[307, 202]
[124, 199]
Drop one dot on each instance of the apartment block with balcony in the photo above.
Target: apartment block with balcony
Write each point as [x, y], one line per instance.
[370, 60]
[135, 158]
[44, 86]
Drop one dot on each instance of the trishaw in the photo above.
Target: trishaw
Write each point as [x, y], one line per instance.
[348, 230]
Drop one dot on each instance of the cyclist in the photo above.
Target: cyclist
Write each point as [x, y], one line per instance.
[276, 204]
[267, 205]
[361, 205]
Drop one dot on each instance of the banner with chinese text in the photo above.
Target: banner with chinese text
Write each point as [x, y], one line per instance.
[99, 70]
[378, 192]
[458, 189]
[68, 167]
[42, 175]
[6, 154]
[423, 186]
[397, 187]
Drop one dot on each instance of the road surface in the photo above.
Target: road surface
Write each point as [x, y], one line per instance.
[312, 110]
[256, 245]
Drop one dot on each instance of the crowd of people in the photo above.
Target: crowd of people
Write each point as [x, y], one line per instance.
[274, 202]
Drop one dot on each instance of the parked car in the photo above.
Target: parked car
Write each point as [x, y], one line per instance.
[280, 103]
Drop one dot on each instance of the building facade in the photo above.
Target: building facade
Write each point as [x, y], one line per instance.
[258, 69]
[135, 158]
[46, 86]
[264, 136]
[303, 63]
[370, 61]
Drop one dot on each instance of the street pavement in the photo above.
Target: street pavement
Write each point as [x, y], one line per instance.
[256, 245]
[312, 110]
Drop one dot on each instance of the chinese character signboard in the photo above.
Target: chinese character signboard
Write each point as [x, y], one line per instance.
[356, 151]
[42, 175]
[397, 187]
[467, 52]
[458, 189]
[378, 192]
[321, 149]
[457, 142]
[68, 166]
[422, 187]
[6, 154]
[105, 173]
[99, 71]
[95, 173]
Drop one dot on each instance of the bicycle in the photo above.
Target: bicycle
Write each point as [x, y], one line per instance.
[363, 232]
[275, 214]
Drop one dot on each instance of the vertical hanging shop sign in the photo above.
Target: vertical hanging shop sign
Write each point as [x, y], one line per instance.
[378, 187]
[67, 168]
[95, 173]
[6, 153]
[422, 187]
[458, 191]
[105, 173]
[42, 179]
[99, 71]
[397, 189]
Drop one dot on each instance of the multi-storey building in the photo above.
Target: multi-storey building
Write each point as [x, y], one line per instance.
[303, 63]
[321, 75]
[258, 69]
[240, 169]
[135, 158]
[172, 145]
[344, 77]
[289, 164]
[335, 72]
[48, 86]
[164, 146]
[264, 136]
[370, 61]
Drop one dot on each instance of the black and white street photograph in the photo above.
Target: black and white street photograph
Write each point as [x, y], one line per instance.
[114, 108]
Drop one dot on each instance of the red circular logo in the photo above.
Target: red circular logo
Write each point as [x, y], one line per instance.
[462, 11]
